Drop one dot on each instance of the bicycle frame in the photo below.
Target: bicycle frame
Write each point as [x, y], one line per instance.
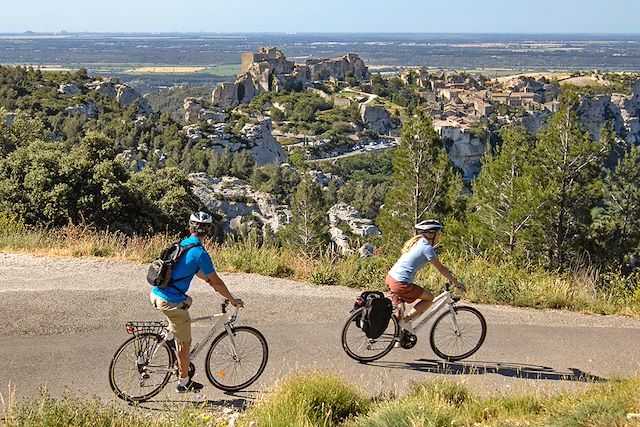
[438, 302]
[225, 319]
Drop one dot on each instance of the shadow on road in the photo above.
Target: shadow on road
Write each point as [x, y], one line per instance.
[514, 370]
[237, 401]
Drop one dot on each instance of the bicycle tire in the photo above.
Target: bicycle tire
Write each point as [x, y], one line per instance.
[131, 360]
[363, 349]
[472, 331]
[222, 367]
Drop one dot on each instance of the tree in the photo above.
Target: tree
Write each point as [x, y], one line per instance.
[425, 185]
[568, 163]
[616, 228]
[505, 199]
[308, 228]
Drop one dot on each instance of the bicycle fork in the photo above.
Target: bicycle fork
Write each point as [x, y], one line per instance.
[454, 320]
[232, 342]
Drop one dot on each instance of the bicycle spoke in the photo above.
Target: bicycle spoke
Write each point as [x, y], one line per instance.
[471, 333]
[359, 347]
[140, 368]
[233, 364]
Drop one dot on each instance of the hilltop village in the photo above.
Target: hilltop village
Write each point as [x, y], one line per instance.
[466, 110]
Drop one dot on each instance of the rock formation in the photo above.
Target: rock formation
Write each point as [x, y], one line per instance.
[256, 137]
[237, 201]
[124, 95]
[88, 110]
[198, 109]
[342, 213]
[69, 89]
[376, 118]
[269, 70]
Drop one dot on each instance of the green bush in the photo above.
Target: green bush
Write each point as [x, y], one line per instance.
[501, 289]
[310, 400]
[323, 277]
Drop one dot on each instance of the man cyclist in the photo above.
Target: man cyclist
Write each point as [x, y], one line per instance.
[416, 253]
[173, 301]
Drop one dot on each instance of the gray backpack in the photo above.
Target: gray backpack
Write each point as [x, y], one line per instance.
[160, 270]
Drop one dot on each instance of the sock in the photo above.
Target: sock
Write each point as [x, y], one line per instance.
[184, 381]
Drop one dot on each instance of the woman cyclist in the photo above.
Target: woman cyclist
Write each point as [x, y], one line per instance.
[416, 253]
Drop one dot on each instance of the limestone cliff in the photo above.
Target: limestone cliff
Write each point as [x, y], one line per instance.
[238, 202]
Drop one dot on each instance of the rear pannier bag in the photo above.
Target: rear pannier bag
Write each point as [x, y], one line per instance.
[376, 314]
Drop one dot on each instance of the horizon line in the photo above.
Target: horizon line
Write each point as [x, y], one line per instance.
[62, 32]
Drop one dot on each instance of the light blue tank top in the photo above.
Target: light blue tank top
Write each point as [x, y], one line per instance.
[407, 266]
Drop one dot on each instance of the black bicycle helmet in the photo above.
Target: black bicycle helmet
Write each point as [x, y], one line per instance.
[429, 225]
[200, 222]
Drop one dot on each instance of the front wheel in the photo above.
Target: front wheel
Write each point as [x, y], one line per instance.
[451, 344]
[141, 367]
[363, 349]
[235, 361]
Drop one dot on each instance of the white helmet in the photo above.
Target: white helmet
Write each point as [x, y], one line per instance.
[200, 222]
[429, 225]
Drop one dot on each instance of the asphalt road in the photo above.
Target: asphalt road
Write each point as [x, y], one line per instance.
[64, 318]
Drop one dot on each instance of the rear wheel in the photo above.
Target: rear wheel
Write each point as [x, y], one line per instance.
[141, 367]
[235, 362]
[363, 349]
[452, 345]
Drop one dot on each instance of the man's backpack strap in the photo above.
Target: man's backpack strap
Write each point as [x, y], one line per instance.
[183, 251]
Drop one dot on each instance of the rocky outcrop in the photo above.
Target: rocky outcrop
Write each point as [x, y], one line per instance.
[88, 110]
[620, 111]
[124, 95]
[137, 160]
[256, 137]
[466, 154]
[376, 118]
[269, 70]
[342, 213]
[239, 203]
[361, 227]
[324, 179]
[264, 148]
[69, 89]
[338, 68]
[198, 109]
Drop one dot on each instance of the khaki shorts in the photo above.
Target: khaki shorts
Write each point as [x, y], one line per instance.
[177, 315]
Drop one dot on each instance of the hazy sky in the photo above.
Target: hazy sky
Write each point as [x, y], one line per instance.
[452, 16]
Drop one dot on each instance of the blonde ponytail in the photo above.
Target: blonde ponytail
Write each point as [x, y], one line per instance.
[409, 243]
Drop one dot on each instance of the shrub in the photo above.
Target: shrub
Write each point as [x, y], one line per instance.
[309, 400]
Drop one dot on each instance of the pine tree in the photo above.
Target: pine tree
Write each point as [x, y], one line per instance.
[308, 228]
[616, 228]
[425, 185]
[568, 164]
[505, 198]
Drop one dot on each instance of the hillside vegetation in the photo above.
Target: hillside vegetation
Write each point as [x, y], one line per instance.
[552, 220]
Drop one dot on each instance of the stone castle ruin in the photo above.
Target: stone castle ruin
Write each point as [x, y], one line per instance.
[269, 70]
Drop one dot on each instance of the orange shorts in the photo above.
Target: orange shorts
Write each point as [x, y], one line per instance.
[409, 292]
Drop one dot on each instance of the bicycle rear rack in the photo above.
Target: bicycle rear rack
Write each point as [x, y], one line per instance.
[146, 327]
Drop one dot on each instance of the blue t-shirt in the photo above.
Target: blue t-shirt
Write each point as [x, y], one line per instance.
[196, 259]
[407, 266]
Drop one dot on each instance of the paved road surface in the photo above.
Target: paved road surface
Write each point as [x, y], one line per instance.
[63, 319]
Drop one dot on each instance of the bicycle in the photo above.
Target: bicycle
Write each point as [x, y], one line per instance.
[455, 335]
[143, 365]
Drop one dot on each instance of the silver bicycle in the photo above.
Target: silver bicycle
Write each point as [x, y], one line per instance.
[144, 364]
[456, 333]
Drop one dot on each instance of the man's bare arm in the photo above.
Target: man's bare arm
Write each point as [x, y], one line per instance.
[216, 283]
